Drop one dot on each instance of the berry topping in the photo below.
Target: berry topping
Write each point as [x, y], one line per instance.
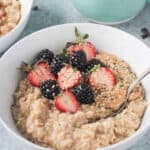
[92, 63]
[40, 73]
[68, 77]
[58, 62]
[66, 102]
[88, 48]
[78, 60]
[45, 54]
[84, 93]
[50, 89]
[102, 76]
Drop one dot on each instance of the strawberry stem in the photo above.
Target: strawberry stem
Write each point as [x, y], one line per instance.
[79, 37]
[94, 68]
[85, 36]
[26, 67]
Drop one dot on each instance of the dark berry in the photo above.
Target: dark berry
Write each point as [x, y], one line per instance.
[146, 33]
[92, 63]
[45, 55]
[144, 36]
[35, 8]
[58, 62]
[50, 89]
[145, 30]
[78, 60]
[84, 93]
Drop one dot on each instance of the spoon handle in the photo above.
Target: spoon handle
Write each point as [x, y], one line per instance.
[141, 77]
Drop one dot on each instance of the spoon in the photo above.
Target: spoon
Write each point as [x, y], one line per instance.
[129, 90]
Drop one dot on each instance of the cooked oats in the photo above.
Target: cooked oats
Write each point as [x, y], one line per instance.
[89, 128]
[10, 14]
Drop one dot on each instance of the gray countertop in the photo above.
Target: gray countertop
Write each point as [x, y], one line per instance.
[52, 12]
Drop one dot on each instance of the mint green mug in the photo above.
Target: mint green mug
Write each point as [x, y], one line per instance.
[109, 11]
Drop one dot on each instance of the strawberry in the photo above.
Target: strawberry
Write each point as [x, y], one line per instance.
[88, 48]
[102, 76]
[68, 77]
[40, 73]
[66, 102]
[73, 48]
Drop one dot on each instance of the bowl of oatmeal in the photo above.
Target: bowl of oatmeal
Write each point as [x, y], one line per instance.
[65, 94]
[14, 15]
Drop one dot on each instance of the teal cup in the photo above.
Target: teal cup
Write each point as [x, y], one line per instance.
[109, 11]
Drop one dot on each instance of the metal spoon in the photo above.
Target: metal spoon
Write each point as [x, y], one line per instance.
[131, 87]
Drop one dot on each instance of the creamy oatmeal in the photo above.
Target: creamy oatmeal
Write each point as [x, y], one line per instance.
[10, 14]
[42, 123]
[68, 101]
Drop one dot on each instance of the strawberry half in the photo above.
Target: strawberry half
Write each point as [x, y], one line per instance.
[68, 77]
[88, 48]
[102, 76]
[66, 102]
[40, 73]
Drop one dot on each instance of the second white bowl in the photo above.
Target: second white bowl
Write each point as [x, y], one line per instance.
[10, 37]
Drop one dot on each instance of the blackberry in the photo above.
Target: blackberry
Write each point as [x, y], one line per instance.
[92, 63]
[78, 60]
[58, 62]
[45, 54]
[50, 89]
[84, 93]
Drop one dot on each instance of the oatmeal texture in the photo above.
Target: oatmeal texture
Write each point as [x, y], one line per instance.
[89, 128]
[10, 14]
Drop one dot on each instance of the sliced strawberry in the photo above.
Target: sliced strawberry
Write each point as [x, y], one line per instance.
[73, 48]
[102, 76]
[68, 77]
[89, 50]
[87, 47]
[66, 102]
[40, 73]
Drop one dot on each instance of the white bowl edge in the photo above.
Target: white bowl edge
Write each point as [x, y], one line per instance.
[11, 36]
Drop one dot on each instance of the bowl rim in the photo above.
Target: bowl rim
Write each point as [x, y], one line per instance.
[129, 139]
[21, 22]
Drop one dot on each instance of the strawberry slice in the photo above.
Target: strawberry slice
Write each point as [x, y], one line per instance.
[66, 102]
[102, 76]
[68, 77]
[89, 50]
[87, 47]
[40, 73]
[73, 48]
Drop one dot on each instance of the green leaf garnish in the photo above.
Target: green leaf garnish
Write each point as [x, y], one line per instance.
[79, 37]
[25, 67]
[94, 68]
[85, 36]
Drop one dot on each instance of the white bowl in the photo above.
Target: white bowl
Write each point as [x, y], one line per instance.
[10, 37]
[106, 38]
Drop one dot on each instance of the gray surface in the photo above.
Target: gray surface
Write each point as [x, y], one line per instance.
[52, 12]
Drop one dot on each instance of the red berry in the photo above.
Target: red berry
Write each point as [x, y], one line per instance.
[102, 76]
[73, 48]
[87, 47]
[66, 102]
[89, 50]
[68, 77]
[40, 73]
